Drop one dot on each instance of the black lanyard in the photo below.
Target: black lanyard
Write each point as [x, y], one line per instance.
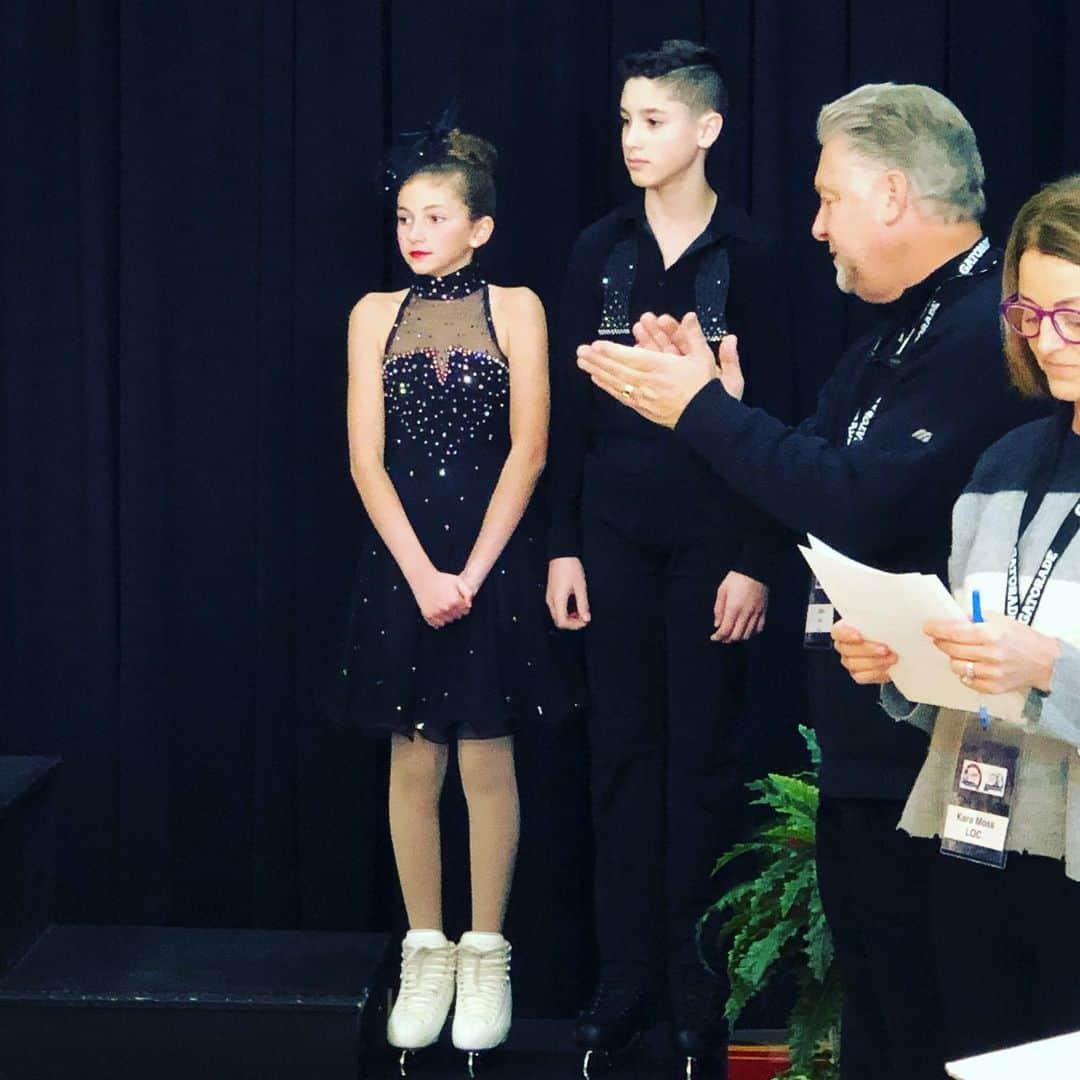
[1024, 610]
[970, 266]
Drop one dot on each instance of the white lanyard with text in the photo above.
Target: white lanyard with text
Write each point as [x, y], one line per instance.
[820, 613]
[861, 421]
[1024, 610]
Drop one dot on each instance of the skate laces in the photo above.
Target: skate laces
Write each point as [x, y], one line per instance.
[424, 971]
[482, 978]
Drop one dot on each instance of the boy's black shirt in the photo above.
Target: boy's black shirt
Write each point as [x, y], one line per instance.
[638, 473]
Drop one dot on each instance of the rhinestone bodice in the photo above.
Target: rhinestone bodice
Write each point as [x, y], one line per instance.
[446, 383]
[446, 393]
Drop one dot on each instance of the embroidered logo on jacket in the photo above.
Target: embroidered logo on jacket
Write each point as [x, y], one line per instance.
[922, 435]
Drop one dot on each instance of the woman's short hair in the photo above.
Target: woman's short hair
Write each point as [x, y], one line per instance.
[918, 131]
[1048, 222]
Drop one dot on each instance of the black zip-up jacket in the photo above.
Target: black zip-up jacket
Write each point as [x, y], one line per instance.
[885, 499]
[635, 473]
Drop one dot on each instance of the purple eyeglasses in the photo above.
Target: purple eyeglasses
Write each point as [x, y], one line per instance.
[1025, 318]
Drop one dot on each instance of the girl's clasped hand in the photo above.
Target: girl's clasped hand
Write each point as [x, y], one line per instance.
[443, 598]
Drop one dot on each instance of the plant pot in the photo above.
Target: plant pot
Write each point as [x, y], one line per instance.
[757, 1062]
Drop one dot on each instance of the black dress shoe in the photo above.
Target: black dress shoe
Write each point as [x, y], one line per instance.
[699, 1031]
[621, 1008]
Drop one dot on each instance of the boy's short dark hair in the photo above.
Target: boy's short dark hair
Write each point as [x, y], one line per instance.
[691, 71]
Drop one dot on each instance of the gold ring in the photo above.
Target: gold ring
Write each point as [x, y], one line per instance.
[969, 672]
[628, 390]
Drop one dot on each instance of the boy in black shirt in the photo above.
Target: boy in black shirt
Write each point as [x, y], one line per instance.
[659, 559]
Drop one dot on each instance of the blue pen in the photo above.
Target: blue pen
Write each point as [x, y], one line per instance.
[976, 616]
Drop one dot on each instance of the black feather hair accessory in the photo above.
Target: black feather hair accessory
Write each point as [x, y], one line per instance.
[414, 149]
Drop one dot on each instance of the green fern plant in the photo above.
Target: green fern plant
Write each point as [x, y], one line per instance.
[775, 922]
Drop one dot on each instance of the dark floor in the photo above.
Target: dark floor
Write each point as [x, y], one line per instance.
[538, 1050]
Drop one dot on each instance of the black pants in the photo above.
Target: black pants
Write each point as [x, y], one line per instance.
[876, 888]
[1008, 952]
[665, 778]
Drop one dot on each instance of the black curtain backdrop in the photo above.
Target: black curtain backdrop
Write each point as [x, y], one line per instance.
[190, 207]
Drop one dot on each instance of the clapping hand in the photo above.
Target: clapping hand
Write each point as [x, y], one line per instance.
[658, 383]
[663, 333]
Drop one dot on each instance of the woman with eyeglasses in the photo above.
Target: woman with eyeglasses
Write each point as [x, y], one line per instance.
[1015, 543]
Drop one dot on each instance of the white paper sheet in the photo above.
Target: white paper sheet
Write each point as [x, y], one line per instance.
[893, 608]
[1048, 1059]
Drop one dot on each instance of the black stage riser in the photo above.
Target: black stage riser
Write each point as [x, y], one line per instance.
[44, 1041]
[27, 853]
[134, 1001]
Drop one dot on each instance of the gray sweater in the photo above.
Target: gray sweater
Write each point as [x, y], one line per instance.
[1045, 817]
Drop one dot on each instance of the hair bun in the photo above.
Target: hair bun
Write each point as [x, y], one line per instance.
[472, 150]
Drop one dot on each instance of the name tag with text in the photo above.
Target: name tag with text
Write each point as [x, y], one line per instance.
[977, 813]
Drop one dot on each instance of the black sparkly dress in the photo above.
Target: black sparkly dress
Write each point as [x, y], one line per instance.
[446, 387]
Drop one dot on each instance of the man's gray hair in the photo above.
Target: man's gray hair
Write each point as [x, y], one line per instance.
[918, 131]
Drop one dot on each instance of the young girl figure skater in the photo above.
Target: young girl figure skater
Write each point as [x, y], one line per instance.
[447, 642]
